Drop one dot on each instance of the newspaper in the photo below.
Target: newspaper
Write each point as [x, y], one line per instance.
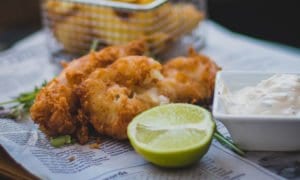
[28, 64]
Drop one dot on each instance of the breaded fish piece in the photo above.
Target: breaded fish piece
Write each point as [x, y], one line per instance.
[189, 79]
[111, 97]
[105, 90]
[57, 107]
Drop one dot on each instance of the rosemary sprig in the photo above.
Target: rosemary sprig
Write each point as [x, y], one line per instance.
[20, 105]
[228, 143]
[94, 45]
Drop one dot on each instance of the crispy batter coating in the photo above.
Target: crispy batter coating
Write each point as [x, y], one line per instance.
[112, 96]
[189, 79]
[106, 90]
[57, 108]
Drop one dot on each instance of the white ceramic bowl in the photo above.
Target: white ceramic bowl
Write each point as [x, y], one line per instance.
[255, 132]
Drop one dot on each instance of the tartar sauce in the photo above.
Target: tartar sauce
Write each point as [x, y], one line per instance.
[278, 95]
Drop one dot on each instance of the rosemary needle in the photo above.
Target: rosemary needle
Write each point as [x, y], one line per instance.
[228, 143]
[94, 45]
[20, 105]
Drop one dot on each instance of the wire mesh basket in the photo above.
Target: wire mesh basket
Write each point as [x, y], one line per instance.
[73, 25]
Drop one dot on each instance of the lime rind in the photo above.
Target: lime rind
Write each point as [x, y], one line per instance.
[155, 138]
[174, 159]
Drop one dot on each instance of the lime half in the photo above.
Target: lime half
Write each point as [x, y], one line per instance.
[172, 135]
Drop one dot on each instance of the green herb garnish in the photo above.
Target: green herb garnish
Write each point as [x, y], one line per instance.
[61, 141]
[94, 45]
[20, 105]
[228, 143]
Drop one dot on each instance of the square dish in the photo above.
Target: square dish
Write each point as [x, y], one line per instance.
[255, 132]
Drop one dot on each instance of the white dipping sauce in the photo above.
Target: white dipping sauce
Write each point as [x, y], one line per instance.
[278, 95]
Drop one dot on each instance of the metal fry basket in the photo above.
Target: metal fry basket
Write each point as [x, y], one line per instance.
[168, 26]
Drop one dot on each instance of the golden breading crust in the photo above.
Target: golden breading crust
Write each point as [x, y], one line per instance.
[189, 79]
[57, 107]
[112, 96]
[106, 90]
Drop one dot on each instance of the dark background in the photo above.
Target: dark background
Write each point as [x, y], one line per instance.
[272, 20]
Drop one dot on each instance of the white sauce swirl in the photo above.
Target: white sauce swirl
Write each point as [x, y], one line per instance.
[278, 95]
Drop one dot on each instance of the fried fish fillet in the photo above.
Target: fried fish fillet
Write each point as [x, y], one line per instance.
[189, 79]
[105, 90]
[112, 96]
[57, 107]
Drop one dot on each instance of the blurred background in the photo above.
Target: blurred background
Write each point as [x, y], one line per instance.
[273, 20]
